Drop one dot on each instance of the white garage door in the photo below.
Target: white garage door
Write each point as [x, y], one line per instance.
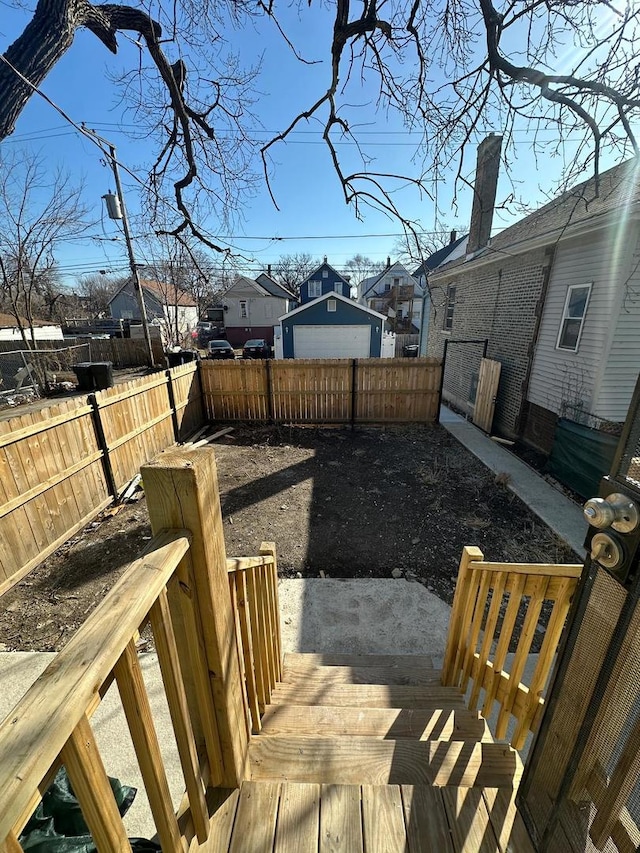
[331, 341]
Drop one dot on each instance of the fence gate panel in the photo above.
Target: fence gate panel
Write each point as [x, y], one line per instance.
[486, 393]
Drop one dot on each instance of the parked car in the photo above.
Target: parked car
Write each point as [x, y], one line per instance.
[206, 331]
[220, 349]
[256, 348]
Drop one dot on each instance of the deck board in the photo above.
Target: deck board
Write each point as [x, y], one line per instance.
[469, 821]
[255, 823]
[383, 819]
[407, 675]
[426, 820]
[298, 819]
[340, 819]
[372, 761]
[368, 696]
[328, 659]
[310, 818]
[414, 723]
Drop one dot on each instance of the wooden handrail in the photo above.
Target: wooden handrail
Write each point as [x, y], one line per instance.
[34, 734]
[241, 564]
[482, 628]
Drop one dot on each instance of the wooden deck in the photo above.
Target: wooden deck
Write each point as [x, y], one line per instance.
[311, 818]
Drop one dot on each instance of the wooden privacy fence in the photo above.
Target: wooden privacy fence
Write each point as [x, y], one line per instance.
[497, 607]
[123, 352]
[373, 391]
[181, 586]
[61, 466]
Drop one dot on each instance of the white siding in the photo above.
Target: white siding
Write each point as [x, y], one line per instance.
[261, 310]
[559, 376]
[620, 371]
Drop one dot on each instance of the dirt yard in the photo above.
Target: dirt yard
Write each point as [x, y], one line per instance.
[361, 504]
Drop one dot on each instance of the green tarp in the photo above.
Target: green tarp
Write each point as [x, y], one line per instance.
[57, 825]
[581, 456]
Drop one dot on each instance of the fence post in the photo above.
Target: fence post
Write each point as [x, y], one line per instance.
[443, 366]
[104, 447]
[456, 635]
[172, 406]
[354, 367]
[269, 390]
[182, 491]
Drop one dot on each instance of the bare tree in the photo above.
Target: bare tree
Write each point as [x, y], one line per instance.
[188, 91]
[360, 267]
[95, 290]
[37, 211]
[291, 270]
[412, 250]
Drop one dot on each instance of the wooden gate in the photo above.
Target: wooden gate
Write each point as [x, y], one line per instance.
[486, 394]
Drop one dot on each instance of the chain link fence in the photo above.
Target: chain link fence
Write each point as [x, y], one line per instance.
[26, 374]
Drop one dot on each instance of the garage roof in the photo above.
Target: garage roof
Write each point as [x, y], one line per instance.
[332, 295]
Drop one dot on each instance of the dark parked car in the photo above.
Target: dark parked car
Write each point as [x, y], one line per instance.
[207, 331]
[256, 348]
[220, 349]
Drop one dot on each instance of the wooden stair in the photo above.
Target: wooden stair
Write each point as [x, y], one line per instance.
[371, 754]
[375, 720]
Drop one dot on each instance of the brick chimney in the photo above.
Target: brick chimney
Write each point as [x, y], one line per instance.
[269, 270]
[453, 237]
[484, 193]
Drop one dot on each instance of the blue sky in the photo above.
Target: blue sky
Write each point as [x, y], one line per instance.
[313, 216]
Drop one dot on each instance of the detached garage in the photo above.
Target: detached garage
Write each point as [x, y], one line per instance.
[332, 326]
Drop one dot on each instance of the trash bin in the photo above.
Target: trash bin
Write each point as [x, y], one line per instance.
[102, 372]
[175, 359]
[410, 350]
[94, 375]
[84, 376]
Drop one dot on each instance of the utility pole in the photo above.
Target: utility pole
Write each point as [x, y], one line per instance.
[127, 236]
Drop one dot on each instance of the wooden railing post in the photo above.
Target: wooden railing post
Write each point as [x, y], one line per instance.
[456, 622]
[182, 491]
[268, 549]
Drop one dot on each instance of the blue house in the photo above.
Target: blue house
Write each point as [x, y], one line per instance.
[322, 281]
[334, 326]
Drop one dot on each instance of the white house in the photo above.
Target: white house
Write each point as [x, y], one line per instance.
[395, 293]
[252, 307]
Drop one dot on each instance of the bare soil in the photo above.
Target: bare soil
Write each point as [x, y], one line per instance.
[350, 504]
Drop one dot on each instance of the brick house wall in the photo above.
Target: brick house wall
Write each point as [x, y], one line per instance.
[498, 300]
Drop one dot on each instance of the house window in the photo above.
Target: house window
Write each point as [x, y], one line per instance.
[268, 310]
[449, 307]
[126, 315]
[575, 308]
[396, 282]
[315, 289]
[243, 309]
[325, 273]
[331, 304]
[338, 287]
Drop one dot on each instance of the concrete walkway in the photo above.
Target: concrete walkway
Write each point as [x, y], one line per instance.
[557, 511]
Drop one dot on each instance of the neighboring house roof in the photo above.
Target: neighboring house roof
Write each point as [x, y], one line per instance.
[244, 280]
[577, 209]
[8, 321]
[273, 287]
[163, 292]
[315, 302]
[371, 282]
[439, 257]
[333, 270]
